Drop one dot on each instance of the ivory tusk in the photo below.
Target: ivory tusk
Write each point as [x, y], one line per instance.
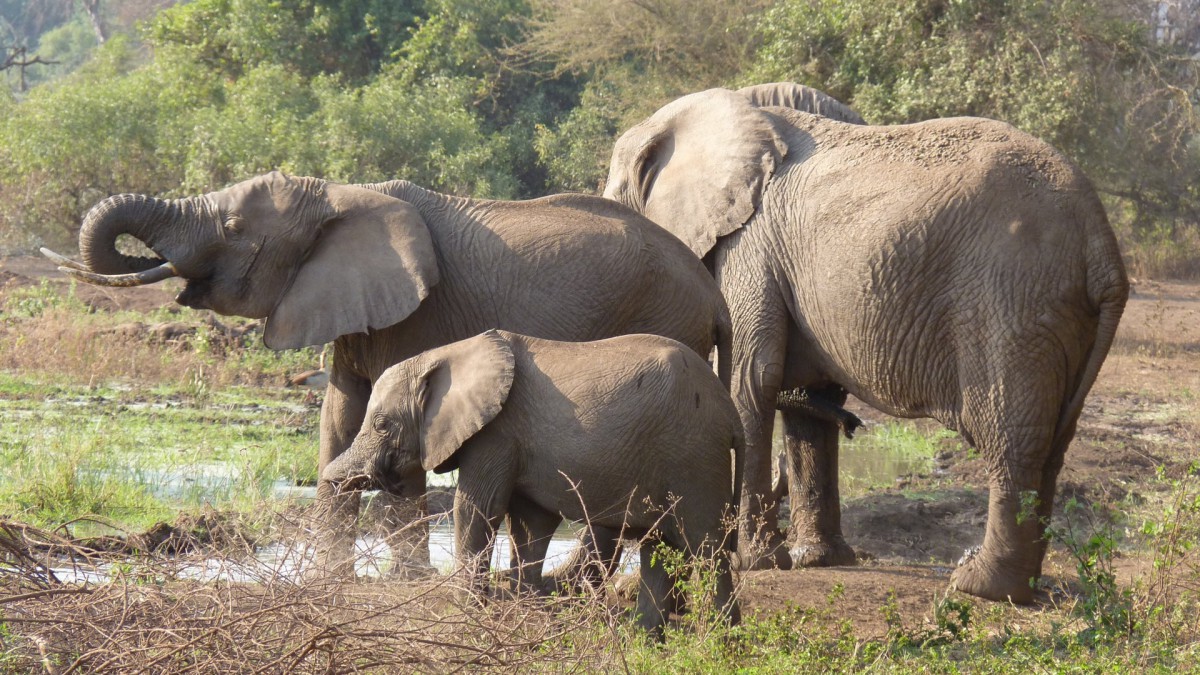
[163, 271]
[62, 260]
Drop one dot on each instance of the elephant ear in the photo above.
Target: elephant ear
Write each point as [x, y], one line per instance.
[802, 98]
[465, 387]
[698, 166]
[371, 266]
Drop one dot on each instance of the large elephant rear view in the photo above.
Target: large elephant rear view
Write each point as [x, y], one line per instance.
[957, 269]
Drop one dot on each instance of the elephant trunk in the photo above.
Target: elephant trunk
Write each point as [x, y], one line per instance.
[169, 228]
[136, 215]
[351, 471]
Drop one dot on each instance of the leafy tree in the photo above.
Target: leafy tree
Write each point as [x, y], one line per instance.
[68, 45]
[352, 38]
[476, 40]
[1088, 76]
[63, 147]
[635, 55]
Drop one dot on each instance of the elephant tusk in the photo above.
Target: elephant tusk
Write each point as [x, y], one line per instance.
[150, 276]
[62, 260]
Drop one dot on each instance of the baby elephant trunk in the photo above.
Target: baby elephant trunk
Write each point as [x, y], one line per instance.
[352, 471]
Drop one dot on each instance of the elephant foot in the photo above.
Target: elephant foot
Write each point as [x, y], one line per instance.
[835, 553]
[774, 556]
[331, 565]
[410, 571]
[976, 576]
[626, 588]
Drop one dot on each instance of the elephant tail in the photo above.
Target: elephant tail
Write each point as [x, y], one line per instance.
[739, 466]
[1111, 295]
[723, 338]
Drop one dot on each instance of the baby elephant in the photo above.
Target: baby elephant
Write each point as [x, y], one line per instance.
[632, 433]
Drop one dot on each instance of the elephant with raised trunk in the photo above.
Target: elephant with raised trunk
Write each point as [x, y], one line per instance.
[957, 269]
[387, 271]
[631, 434]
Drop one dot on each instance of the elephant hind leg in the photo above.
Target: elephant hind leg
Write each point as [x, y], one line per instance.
[1046, 493]
[530, 527]
[654, 590]
[593, 560]
[1023, 468]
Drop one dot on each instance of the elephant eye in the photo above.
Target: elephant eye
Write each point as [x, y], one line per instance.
[381, 424]
[233, 223]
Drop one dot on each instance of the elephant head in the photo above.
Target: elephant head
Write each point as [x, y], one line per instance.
[699, 165]
[316, 259]
[422, 410]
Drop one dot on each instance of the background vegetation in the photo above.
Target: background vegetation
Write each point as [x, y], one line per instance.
[519, 98]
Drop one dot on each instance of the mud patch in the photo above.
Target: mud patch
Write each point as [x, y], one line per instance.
[893, 527]
[857, 594]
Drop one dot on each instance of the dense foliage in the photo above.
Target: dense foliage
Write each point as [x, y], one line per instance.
[518, 98]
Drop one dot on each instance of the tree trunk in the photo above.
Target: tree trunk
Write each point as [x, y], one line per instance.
[92, 7]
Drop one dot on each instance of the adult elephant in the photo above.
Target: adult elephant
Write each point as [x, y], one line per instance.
[387, 271]
[957, 269]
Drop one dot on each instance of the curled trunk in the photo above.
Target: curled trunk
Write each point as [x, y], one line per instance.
[160, 224]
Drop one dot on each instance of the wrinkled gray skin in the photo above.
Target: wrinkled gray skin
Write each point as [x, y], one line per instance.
[389, 270]
[610, 433]
[957, 269]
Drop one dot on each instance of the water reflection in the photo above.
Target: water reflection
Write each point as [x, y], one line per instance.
[879, 453]
[373, 558]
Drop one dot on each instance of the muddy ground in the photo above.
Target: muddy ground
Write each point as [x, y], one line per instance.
[1142, 414]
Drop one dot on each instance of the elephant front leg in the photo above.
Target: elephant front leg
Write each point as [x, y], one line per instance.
[403, 520]
[336, 512]
[812, 457]
[485, 489]
[760, 543]
[474, 536]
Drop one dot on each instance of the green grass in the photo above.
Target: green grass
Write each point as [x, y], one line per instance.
[107, 452]
[876, 456]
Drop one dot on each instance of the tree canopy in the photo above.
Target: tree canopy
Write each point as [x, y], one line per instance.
[519, 98]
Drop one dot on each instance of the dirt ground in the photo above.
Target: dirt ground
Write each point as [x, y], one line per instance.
[1142, 414]
[24, 271]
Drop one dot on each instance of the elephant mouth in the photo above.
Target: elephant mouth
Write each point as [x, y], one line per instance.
[195, 294]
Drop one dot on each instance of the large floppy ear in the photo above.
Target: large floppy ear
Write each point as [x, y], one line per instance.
[698, 166]
[371, 266]
[465, 385]
[802, 98]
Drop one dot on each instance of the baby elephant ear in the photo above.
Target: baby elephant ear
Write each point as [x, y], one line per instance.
[466, 385]
[372, 265]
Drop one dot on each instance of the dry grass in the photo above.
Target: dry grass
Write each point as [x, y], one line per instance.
[147, 617]
[1162, 256]
[97, 347]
